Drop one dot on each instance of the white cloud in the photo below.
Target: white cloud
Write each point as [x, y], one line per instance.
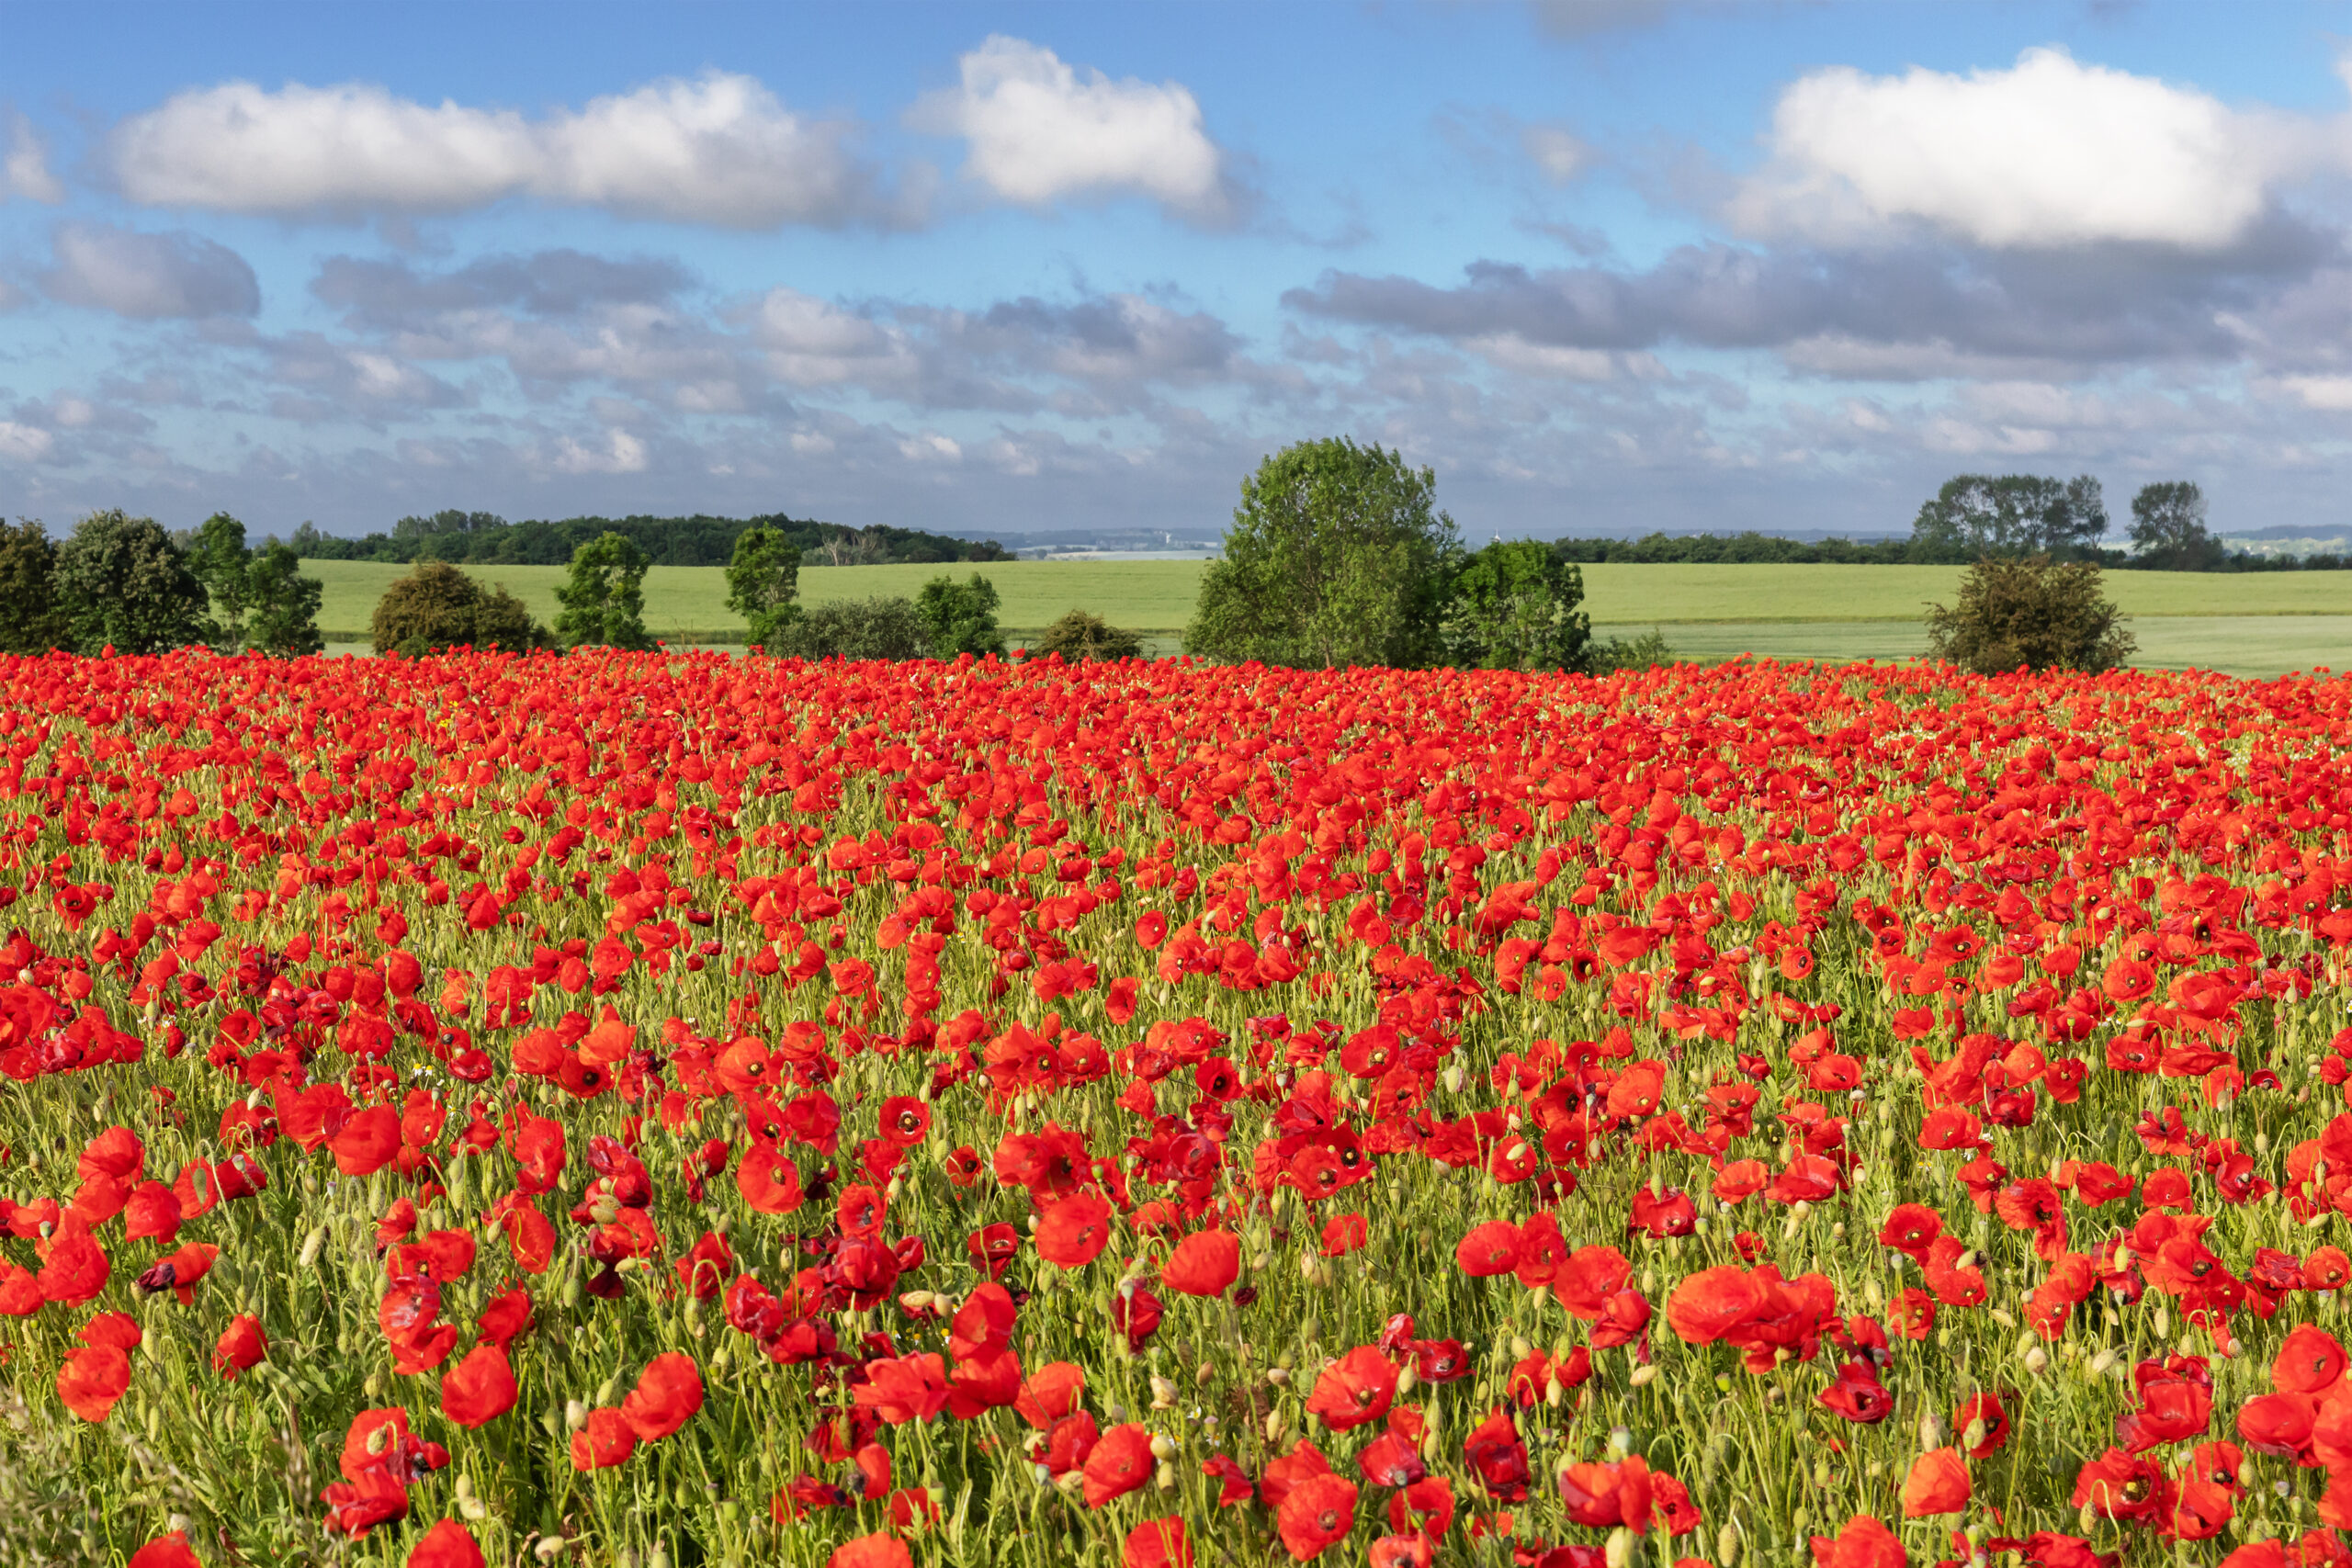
[148, 276]
[813, 342]
[1039, 130]
[1509, 351]
[1558, 153]
[619, 452]
[930, 447]
[2049, 153]
[2330, 393]
[23, 442]
[720, 149]
[25, 171]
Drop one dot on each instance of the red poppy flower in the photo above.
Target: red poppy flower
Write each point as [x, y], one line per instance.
[604, 1441]
[1343, 1234]
[1204, 1263]
[1863, 1543]
[479, 1389]
[170, 1551]
[241, 1346]
[1074, 1231]
[1489, 1249]
[1354, 1390]
[1121, 1461]
[91, 1378]
[881, 1550]
[1316, 1514]
[447, 1544]
[1157, 1543]
[1938, 1484]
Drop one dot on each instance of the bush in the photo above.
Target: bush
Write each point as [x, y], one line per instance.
[437, 606]
[604, 595]
[31, 621]
[879, 628]
[1632, 652]
[959, 617]
[2030, 611]
[121, 583]
[1079, 636]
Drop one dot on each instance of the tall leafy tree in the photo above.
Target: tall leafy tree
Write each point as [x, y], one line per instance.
[1516, 606]
[2168, 528]
[281, 604]
[123, 584]
[1975, 516]
[218, 557]
[604, 597]
[31, 620]
[959, 617]
[763, 583]
[1337, 556]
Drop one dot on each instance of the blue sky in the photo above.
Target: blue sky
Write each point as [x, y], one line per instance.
[1604, 265]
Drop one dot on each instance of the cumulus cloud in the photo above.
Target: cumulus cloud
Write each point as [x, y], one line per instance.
[148, 277]
[1040, 132]
[391, 295]
[2048, 153]
[23, 442]
[720, 149]
[25, 171]
[617, 452]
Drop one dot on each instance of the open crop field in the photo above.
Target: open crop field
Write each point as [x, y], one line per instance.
[2245, 625]
[653, 1111]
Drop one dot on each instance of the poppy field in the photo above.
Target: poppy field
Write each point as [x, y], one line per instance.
[659, 1109]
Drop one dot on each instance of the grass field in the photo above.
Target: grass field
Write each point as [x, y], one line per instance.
[2246, 625]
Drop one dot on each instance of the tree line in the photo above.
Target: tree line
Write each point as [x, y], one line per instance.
[483, 538]
[1977, 516]
[122, 582]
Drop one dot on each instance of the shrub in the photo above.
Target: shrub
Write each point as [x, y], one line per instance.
[959, 617]
[437, 606]
[121, 583]
[878, 629]
[2030, 611]
[1079, 636]
[1632, 652]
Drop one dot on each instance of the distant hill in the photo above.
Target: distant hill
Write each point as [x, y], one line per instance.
[482, 538]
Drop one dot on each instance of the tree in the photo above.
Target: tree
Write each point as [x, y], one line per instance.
[282, 605]
[437, 606]
[123, 584]
[1337, 556]
[1515, 606]
[1078, 638]
[217, 555]
[1975, 516]
[2168, 528]
[2031, 611]
[876, 629]
[959, 617]
[604, 597]
[31, 621]
[763, 583]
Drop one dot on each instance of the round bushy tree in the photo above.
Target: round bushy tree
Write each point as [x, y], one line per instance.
[31, 620]
[121, 583]
[878, 629]
[959, 617]
[437, 606]
[2030, 611]
[1079, 637]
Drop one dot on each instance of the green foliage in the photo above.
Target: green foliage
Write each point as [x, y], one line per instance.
[1337, 556]
[1975, 516]
[1632, 652]
[604, 597]
[2030, 611]
[281, 604]
[1079, 637]
[878, 628]
[31, 620]
[1515, 606]
[123, 584]
[763, 583]
[959, 617]
[2168, 528]
[1745, 548]
[482, 538]
[217, 555]
[437, 606]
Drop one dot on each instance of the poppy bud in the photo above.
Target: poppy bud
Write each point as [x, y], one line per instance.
[1163, 1392]
[1274, 1418]
[1163, 1478]
[1727, 1547]
[1407, 1379]
[1643, 1375]
[1621, 1442]
[1932, 1431]
[1620, 1550]
[575, 1414]
[549, 1547]
[1162, 1447]
[1971, 1437]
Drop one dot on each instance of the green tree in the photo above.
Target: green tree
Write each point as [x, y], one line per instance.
[123, 584]
[31, 620]
[878, 629]
[604, 597]
[2032, 611]
[1337, 556]
[2168, 528]
[1516, 606]
[763, 583]
[1975, 516]
[437, 606]
[218, 557]
[1079, 637]
[281, 604]
[959, 617]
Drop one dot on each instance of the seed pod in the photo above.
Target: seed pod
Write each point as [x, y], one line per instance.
[1727, 1547]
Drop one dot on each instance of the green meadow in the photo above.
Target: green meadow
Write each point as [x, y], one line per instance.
[2245, 624]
